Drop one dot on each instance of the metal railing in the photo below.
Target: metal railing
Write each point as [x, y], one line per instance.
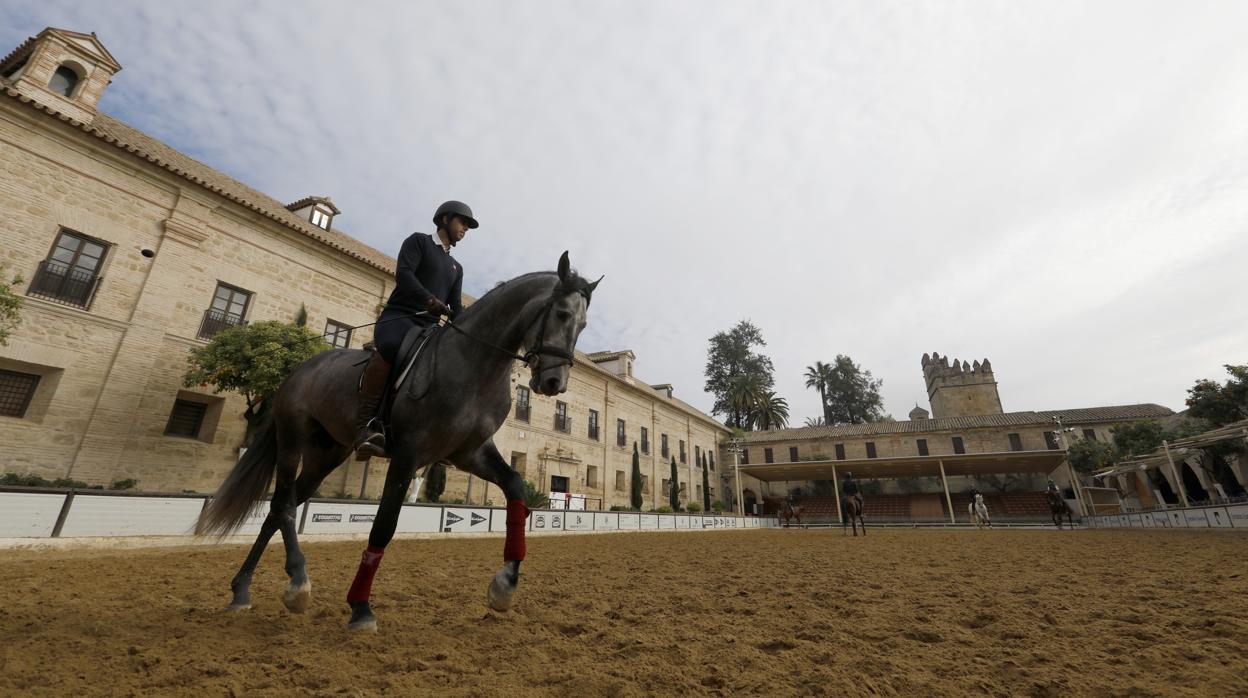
[62, 284]
[217, 320]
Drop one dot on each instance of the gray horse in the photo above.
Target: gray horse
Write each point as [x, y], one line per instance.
[466, 373]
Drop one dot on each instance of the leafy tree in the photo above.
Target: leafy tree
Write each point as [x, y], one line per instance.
[853, 396]
[10, 308]
[252, 360]
[435, 482]
[818, 377]
[1088, 455]
[1139, 438]
[673, 490]
[1220, 404]
[706, 485]
[769, 412]
[731, 354]
[635, 485]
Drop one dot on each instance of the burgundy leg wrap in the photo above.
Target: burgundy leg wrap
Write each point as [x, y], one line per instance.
[362, 587]
[517, 512]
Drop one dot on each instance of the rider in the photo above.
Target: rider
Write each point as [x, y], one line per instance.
[849, 488]
[974, 492]
[1052, 490]
[428, 282]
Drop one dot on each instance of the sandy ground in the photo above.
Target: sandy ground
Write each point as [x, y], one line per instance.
[901, 612]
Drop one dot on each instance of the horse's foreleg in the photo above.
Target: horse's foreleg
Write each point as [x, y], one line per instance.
[398, 479]
[488, 464]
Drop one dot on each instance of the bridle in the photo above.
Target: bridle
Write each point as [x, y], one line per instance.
[541, 349]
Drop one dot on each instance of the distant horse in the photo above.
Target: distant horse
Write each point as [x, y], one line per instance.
[787, 512]
[979, 512]
[851, 508]
[1058, 506]
[447, 410]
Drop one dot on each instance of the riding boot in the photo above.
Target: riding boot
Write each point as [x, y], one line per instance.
[370, 441]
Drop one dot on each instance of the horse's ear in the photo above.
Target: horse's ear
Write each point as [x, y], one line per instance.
[564, 266]
[594, 285]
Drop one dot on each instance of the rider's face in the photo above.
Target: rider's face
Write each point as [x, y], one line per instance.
[456, 229]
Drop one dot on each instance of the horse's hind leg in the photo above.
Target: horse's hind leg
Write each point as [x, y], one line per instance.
[241, 584]
[319, 458]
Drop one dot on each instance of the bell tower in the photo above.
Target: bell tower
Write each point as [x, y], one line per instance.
[61, 69]
[960, 389]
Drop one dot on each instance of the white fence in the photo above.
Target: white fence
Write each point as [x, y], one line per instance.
[65, 514]
[1217, 516]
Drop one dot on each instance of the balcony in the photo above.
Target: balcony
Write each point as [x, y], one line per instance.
[62, 284]
[215, 321]
[522, 411]
[563, 423]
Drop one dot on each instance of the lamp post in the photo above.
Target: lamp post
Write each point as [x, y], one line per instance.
[734, 446]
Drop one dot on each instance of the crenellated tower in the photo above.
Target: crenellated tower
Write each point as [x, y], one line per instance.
[960, 389]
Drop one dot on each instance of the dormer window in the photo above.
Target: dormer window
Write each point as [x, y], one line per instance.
[64, 81]
[320, 218]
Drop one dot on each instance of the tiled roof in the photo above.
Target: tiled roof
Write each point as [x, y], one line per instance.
[309, 200]
[1009, 419]
[142, 145]
[607, 355]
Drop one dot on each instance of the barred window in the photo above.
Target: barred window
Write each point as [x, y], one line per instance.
[337, 334]
[522, 403]
[593, 424]
[957, 445]
[1016, 442]
[16, 391]
[767, 456]
[663, 445]
[645, 440]
[229, 307]
[792, 454]
[70, 274]
[621, 438]
[840, 451]
[922, 443]
[683, 457]
[186, 419]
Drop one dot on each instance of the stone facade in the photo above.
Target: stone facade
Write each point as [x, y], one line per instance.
[110, 363]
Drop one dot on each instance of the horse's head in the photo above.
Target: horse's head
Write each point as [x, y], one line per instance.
[553, 337]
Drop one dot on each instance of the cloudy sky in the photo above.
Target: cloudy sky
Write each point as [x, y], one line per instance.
[1061, 187]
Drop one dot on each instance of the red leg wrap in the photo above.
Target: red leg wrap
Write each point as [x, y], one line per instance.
[517, 514]
[362, 587]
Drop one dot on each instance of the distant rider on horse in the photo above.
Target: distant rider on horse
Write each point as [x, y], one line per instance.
[428, 284]
[849, 488]
[1053, 491]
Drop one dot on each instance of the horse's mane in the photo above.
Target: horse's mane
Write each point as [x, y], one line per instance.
[574, 284]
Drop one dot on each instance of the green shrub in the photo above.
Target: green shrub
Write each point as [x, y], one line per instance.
[126, 484]
[663, 510]
[693, 507]
[17, 480]
[621, 507]
[717, 506]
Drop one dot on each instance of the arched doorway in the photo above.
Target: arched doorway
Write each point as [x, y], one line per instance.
[751, 501]
[1162, 485]
[1222, 474]
[1195, 491]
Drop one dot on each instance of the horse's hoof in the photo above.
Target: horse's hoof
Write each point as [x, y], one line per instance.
[238, 607]
[362, 618]
[298, 598]
[501, 591]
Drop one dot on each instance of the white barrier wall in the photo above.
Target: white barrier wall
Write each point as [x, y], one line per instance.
[29, 515]
[1234, 516]
[104, 515]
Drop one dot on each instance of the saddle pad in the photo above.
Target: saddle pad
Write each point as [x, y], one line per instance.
[410, 350]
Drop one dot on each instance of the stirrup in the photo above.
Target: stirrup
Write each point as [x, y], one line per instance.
[374, 446]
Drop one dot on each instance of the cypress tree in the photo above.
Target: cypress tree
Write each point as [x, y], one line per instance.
[635, 495]
[706, 486]
[673, 493]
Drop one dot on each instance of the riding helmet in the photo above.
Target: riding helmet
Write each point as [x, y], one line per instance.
[457, 208]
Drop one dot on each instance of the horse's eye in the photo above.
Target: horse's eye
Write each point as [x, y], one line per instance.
[563, 315]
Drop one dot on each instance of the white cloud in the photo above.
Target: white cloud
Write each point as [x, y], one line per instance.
[1056, 186]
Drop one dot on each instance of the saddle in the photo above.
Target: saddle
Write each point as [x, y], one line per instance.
[405, 369]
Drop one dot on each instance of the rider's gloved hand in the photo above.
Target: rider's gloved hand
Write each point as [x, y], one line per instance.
[437, 307]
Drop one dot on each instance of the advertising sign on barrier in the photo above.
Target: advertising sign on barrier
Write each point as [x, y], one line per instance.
[667, 521]
[1218, 518]
[606, 521]
[545, 521]
[465, 520]
[1196, 518]
[630, 522]
[103, 515]
[416, 518]
[682, 522]
[648, 522]
[29, 515]
[578, 521]
[339, 517]
[1176, 520]
[1238, 515]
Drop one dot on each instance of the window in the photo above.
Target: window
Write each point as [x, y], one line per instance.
[1016, 442]
[562, 422]
[620, 485]
[229, 306]
[840, 451]
[645, 440]
[792, 454]
[591, 476]
[957, 445]
[63, 81]
[70, 274]
[745, 456]
[922, 443]
[558, 483]
[697, 456]
[645, 484]
[522, 403]
[1050, 440]
[16, 391]
[699, 500]
[663, 447]
[870, 449]
[712, 460]
[1089, 434]
[337, 334]
[186, 419]
[517, 461]
[620, 438]
[320, 218]
[768, 457]
[683, 457]
[593, 424]
[667, 487]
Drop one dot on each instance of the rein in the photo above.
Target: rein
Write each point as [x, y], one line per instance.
[542, 349]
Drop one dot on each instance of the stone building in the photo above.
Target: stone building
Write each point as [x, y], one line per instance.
[966, 418]
[132, 253]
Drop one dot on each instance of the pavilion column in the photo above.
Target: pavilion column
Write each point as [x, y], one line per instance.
[1178, 480]
[945, 484]
[836, 492]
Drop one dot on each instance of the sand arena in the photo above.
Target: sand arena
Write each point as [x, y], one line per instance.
[901, 612]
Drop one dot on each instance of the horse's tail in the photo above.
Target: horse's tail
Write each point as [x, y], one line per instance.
[245, 484]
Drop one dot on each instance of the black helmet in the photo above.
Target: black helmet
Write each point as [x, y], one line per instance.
[457, 208]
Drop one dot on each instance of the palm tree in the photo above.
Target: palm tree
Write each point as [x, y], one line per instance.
[816, 422]
[743, 395]
[770, 412]
[818, 377]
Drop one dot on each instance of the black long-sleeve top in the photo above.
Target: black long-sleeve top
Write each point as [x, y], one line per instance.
[426, 270]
